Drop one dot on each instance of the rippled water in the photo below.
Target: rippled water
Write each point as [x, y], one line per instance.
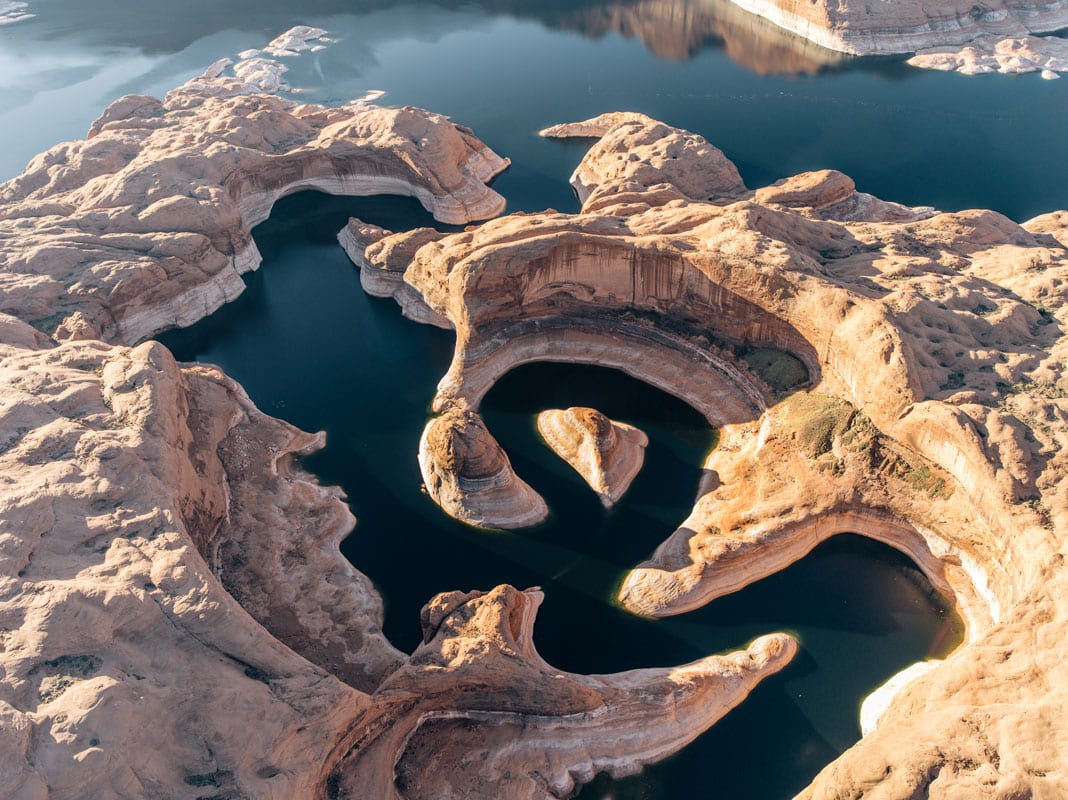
[310, 347]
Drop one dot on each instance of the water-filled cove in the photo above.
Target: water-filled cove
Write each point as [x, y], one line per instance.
[309, 346]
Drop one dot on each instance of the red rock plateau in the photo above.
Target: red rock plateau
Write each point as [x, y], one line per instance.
[895, 372]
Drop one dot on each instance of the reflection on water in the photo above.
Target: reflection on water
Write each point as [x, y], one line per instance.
[679, 29]
[311, 347]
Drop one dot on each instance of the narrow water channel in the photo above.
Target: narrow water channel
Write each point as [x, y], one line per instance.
[310, 347]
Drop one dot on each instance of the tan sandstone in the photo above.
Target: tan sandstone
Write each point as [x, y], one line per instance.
[934, 415]
[607, 454]
[1045, 54]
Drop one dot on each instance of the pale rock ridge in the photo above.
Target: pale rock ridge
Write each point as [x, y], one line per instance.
[607, 454]
[145, 225]
[1045, 54]
[468, 474]
[905, 26]
[934, 419]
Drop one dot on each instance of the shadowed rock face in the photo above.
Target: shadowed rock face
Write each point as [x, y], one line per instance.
[607, 454]
[934, 418]
[905, 26]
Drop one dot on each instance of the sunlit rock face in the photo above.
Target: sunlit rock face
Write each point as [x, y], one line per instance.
[919, 399]
[905, 26]
[469, 475]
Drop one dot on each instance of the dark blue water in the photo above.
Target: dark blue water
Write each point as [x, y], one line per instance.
[311, 347]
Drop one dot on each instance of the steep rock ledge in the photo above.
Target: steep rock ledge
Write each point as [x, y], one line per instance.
[935, 415]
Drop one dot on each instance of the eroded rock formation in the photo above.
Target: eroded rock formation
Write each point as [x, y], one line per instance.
[469, 475]
[934, 417]
[145, 224]
[905, 26]
[607, 454]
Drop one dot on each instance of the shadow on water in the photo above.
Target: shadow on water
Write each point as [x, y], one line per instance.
[309, 346]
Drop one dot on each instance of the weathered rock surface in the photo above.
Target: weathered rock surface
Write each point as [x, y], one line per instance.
[905, 26]
[934, 419]
[1045, 54]
[145, 224]
[607, 454]
[469, 475]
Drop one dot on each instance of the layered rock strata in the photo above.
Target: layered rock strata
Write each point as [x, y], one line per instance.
[468, 474]
[145, 224]
[607, 454]
[905, 26]
[935, 417]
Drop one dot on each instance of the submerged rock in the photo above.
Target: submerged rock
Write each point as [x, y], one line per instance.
[607, 454]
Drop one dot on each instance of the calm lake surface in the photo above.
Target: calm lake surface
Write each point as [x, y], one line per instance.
[312, 348]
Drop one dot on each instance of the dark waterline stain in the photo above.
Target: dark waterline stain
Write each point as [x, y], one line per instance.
[309, 346]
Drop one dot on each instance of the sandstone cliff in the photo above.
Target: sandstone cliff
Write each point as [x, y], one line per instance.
[905, 26]
[933, 416]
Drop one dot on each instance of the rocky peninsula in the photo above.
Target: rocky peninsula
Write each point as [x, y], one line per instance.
[931, 413]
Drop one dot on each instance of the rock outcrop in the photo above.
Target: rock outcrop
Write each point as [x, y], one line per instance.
[1045, 54]
[468, 474]
[607, 454]
[145, 224]
[905, 26]
[934, 416]
[475, 712]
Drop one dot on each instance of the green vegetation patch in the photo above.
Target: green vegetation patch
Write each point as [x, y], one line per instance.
[780, 370]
